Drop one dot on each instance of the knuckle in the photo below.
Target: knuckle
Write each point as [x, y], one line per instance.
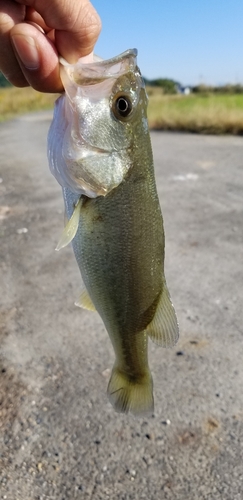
[90, 26]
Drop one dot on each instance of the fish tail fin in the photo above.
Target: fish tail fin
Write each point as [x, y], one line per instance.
[131, 394]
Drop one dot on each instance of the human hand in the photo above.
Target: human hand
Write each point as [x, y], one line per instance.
[33, 33]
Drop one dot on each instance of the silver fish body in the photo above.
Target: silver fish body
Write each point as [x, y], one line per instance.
[119, 240]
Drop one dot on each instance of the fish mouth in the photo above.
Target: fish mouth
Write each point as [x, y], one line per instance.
[97, 71]
[93, 147]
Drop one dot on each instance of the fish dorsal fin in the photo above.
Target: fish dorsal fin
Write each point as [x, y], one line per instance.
[71, 227]
[85, 301]
[163, 329]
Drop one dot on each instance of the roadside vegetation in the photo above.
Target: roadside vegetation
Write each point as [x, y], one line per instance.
[209, 113]
[211, 110]
[14, 101]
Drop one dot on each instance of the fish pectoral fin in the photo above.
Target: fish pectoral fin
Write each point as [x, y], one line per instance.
[131, 394]
[71, 227]
[85, 301]
[163, 329]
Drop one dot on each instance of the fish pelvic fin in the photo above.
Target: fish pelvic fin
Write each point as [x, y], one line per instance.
[71, 227]
[163, 329]
[130, 394]
[85, 301]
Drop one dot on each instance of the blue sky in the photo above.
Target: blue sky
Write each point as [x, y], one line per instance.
[191, 41]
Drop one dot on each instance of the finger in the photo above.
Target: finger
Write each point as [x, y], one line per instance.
[10, 14]
[77, 25]
[32, 16]
[37, 57]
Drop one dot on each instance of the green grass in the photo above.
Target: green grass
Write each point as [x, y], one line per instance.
[14, 101]
[209, 113]
[212, 113]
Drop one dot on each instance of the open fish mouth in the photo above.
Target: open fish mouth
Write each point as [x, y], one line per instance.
[88, 142]
[99, 70]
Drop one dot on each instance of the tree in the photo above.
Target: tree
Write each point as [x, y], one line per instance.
[168, 85]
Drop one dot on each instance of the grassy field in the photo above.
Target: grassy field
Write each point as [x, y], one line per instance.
[209, 113]
[15, 101]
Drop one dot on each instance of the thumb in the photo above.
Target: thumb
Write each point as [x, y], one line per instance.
[37, 57]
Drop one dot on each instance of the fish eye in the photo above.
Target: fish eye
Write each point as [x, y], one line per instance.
[122, 106]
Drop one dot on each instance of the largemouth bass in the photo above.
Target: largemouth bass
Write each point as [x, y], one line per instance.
[100, 152]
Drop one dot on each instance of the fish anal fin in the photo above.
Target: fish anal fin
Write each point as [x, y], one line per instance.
[85, 301]
[70, 228]
[163, 329]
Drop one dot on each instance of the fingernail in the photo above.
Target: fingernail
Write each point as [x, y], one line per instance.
[27, 51]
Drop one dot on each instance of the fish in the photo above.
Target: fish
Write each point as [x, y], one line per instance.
[99, 150]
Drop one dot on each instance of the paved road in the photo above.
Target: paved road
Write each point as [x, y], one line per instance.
[59, 437]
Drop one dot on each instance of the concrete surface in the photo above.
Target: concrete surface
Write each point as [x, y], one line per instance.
[59, 437]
